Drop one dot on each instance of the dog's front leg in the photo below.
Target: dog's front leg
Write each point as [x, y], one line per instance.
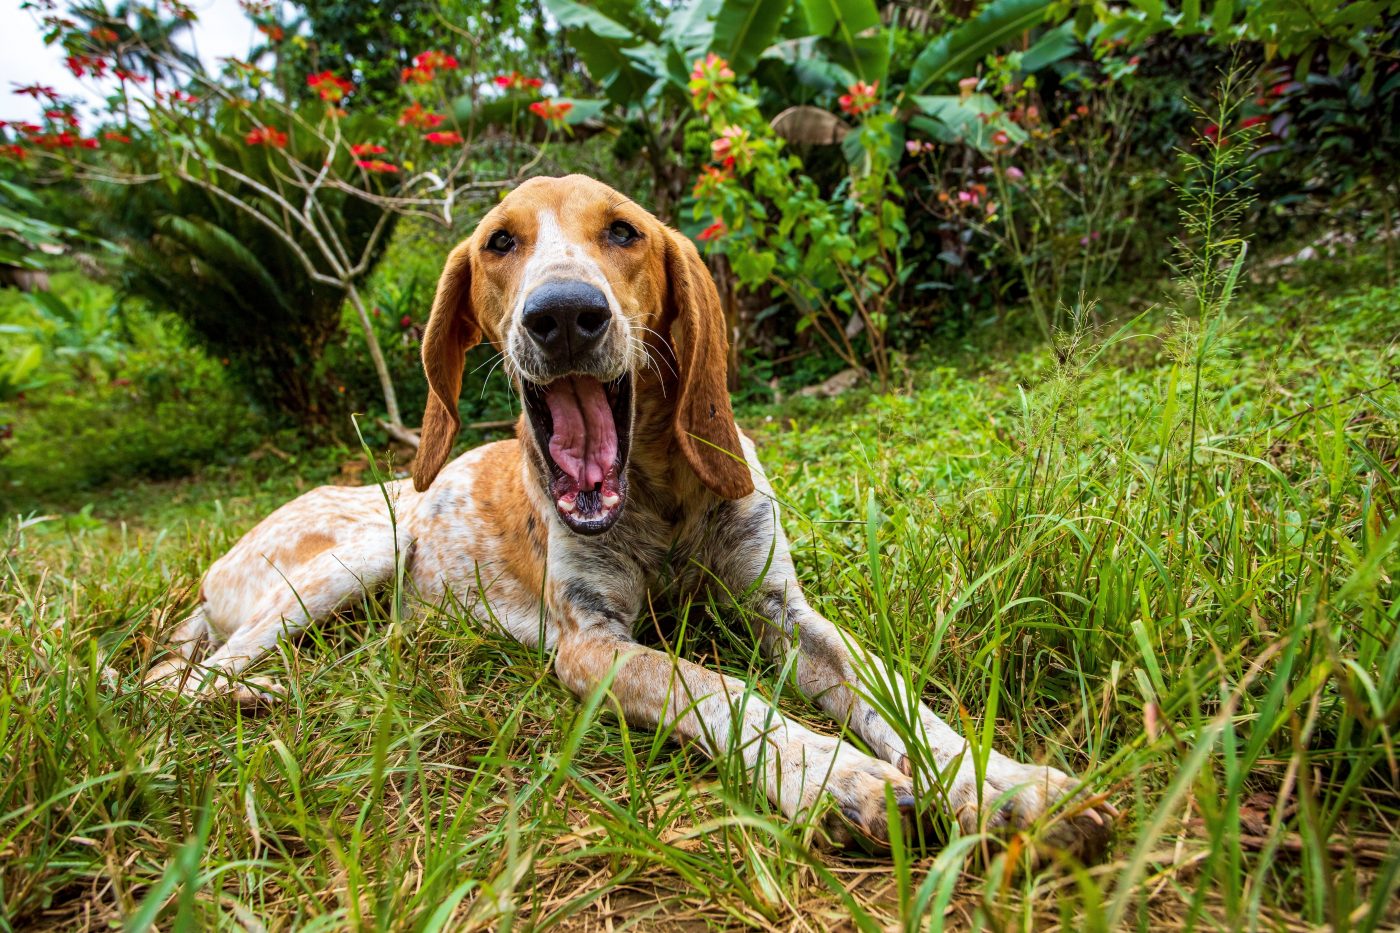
[752, 560]
[720, 716]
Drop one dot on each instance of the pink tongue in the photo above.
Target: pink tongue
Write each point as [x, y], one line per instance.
[584, 444]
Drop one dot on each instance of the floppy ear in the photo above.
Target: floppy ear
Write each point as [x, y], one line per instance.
[452, 331]
[704, 423]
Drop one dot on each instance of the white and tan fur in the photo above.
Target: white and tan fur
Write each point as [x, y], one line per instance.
[700, 520]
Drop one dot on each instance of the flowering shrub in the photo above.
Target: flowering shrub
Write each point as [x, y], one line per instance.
[837, 257]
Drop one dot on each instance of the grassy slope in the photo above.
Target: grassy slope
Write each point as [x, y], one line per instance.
[1209, 631]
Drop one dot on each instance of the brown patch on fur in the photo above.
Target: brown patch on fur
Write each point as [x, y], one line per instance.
[500, 493]
[310, 545]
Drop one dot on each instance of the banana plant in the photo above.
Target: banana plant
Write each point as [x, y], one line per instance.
[643, 67]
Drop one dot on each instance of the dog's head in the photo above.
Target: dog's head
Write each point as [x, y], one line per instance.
[570, 280]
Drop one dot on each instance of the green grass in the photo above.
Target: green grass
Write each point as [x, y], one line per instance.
[1203, 622]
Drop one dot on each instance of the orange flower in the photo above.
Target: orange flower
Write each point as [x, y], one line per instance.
[710, 179]
[266, 136]
[416, 116]
[364, 149]
[273, 33]
[552, 110]
[116, 137]
[443, 139]
[103, 34]
[378, 166]
[329, 86]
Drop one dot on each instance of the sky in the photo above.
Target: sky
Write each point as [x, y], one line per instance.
[222, 30]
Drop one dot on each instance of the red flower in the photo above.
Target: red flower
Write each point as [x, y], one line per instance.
[63, 115]
[329, 86]
[1000, 138]
[266, 136]
[14, 151]
[124, 75]
[364, 149]
[416, 116]
[552, 110]
[273, 33]
[405, 322]
[1250, 121]
[515, 81]
[1211, 131]
[83, 64]
[103, 34]
[35, 90]
[116, 137]
[862, 97]
[88, 143]
[434, 61]
[713, 232]
[443, 139]
[377, 165]
[415, 76]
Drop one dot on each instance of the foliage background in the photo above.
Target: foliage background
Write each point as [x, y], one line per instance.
[1115, 288]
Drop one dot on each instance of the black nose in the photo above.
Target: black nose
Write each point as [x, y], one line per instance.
[566, 319]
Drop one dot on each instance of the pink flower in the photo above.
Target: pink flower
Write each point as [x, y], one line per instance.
[1015, 174]
[966, 86]
[1000, 138]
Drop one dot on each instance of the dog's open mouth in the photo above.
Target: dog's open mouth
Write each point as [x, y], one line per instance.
[584, 429]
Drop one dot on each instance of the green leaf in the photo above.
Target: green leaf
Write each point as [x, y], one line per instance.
[1055, 45]
[613, 67]
[866, 57]
[853, 16]
[744, 28]
[585, 108]
[954, 54]
[690, 27]
[573, 15]
[956, 120]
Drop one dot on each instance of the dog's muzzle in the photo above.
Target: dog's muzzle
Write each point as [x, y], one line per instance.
[582, 423]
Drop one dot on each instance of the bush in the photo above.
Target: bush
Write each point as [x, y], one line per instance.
[165, 412]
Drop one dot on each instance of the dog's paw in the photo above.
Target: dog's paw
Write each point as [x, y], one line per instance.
[857, 785]
[1047, 803]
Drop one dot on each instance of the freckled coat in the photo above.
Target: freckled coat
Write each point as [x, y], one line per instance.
[482, 532]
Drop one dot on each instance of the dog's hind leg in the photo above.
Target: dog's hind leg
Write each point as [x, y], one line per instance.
[312, 557]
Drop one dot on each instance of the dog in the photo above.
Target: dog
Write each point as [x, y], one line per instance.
[628, 466]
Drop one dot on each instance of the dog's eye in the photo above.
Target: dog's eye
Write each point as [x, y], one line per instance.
[622, 233]
[500, 242]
